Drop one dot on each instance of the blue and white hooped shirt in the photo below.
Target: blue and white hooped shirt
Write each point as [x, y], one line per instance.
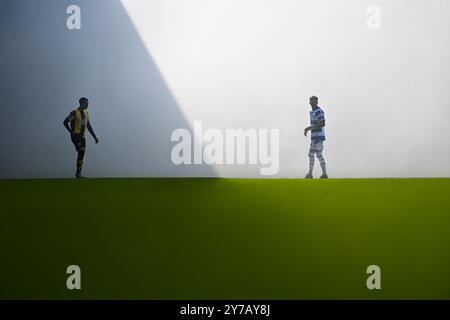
[317, 116]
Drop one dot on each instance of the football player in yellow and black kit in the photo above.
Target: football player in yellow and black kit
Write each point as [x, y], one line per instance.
[76, 123]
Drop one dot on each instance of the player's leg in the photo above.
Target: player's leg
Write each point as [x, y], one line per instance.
[311, 162]
[80, 145]
[80, 159]
[323, 165]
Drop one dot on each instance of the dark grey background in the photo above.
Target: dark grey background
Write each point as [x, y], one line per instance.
[45, 68]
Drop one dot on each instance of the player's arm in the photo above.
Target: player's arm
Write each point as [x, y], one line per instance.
[91, 131]
[67, 121]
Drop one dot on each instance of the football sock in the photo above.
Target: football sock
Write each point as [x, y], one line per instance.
[322, 162]
[80, 161]
[311, 162]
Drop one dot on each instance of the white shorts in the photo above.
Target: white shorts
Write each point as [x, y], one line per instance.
[316, 146]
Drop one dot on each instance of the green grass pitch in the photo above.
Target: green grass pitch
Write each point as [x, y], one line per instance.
[225, 238]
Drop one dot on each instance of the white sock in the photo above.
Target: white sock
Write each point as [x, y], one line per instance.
[322, 162]
[311, 163]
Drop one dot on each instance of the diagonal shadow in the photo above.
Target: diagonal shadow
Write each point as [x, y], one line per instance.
[46, 68]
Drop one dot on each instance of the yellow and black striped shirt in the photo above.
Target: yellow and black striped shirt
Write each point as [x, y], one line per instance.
[79, 121]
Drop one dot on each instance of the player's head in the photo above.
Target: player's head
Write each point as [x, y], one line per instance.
[84, 103]
[313, 101]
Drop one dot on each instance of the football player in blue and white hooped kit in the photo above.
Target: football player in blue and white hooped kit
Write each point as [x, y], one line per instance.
[317, 119]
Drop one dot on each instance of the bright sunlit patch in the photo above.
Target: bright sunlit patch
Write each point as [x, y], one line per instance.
[220, 55]
[254, 64]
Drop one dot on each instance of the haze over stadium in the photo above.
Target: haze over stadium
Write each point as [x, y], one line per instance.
[150, 67]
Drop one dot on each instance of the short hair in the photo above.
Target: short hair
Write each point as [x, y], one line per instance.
[82, 100]
[313, 98]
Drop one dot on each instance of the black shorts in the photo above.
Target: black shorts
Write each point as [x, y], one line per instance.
[79, 142]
